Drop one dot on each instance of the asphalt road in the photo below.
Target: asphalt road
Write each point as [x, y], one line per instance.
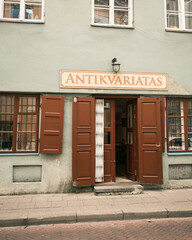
[173, 229]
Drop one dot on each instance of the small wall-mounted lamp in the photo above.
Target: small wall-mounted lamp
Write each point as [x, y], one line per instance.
[115, 65]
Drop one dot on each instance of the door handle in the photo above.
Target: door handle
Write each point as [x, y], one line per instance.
[158, 146]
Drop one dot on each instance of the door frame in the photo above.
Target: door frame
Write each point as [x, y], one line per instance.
[128, 97]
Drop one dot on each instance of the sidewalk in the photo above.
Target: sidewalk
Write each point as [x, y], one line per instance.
[82, 207]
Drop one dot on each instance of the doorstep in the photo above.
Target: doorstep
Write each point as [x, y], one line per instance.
[118, 188]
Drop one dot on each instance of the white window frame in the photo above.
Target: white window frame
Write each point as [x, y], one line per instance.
[181, 15]
[22, 14]
[111, 16]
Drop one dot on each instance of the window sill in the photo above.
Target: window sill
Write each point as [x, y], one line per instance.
[111, 26]
[19, 154]
[179, 153]
[178, 30]
[21, 21]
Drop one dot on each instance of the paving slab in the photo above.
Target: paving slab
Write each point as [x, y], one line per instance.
[82, 207]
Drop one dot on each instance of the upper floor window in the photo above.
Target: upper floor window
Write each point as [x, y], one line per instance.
[179, 14]
[22, 10]
[19, 116]
[116, 13]
[179, 115]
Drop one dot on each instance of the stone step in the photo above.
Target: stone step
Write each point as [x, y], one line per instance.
[115, 189]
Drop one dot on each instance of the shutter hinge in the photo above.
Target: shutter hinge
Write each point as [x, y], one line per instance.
[75, 100]
[74, 184]
[40, 105]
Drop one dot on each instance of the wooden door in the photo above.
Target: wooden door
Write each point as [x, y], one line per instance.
[131, 140]
[83, 153]
[149, 140]
[109, 141]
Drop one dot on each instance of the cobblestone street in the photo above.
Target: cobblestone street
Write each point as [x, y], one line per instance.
[161, 229]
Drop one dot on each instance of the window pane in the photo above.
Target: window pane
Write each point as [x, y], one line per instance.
[188, 22]
[130, 138]
[172, 5]
[6, 141]
[121, 3]
[176, 125]
[177, 142]
[6, 104]
[121, 17]
[26, 141]
[175, 108]
[11, 9]
[129, 117]
[188, 6]
[172, 20]
[189, 129]
[33, 11]
[102, 2]
[27, 104]
[101, 15]
[189, 107]
[107, 138]
[107, 115]
[26, 132]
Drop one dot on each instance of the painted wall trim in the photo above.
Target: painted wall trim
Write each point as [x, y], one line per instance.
[180, 154]
[19, 154]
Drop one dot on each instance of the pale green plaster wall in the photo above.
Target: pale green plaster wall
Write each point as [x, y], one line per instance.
[32, 54]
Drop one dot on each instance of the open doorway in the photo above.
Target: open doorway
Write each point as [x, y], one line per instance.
[125, 140]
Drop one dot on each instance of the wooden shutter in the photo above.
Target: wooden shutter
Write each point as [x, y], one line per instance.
[149, 140]
[52, 124]
[83, 154]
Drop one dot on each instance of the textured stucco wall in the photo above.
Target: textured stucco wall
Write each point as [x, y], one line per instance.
[32, 54]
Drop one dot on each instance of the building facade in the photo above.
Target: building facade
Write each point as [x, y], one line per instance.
[68, 120]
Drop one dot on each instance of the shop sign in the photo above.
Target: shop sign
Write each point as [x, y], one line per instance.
[111, 80]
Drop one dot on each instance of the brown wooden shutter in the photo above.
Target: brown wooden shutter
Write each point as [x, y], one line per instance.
[149, 140]
[52, 124]
[83, 153]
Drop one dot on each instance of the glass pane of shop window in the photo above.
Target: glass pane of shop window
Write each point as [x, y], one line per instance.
[27, 104]
[177, 142]
[175, 108]
[6, 141]
[26, 141]
[6, 104]
[189, 103]
[11, 9]
[121, 17]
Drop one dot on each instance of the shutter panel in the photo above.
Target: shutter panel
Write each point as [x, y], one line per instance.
[52, 124]
[83, 155]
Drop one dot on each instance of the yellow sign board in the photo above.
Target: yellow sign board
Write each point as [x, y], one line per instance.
[111, 80]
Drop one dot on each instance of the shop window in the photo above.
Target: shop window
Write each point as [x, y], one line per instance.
[22, 10]
[19, 123]
[179, 115]
[179, 14]
[115, 13]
